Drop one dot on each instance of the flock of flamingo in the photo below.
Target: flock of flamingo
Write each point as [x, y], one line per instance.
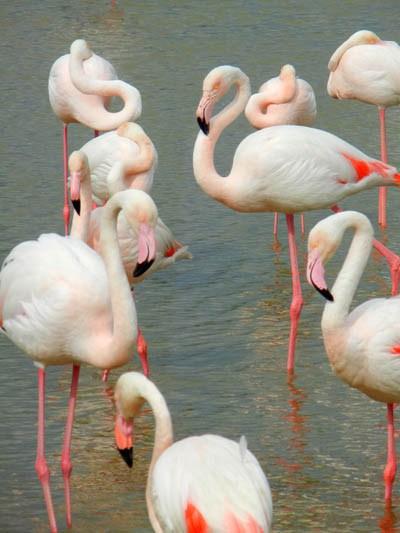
[69, 299]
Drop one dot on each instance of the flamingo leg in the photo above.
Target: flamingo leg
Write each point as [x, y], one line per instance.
[276, 217]
[297, 298]
[382, 190]
[96, 133]
[66, 465]
[302, 225]
[391, 465]
[66, 211]
[141, 345]
[41, 466]
[392, 259]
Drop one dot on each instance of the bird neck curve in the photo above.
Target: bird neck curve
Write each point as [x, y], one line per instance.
[100, 118]
[204, 169]
[336, 312]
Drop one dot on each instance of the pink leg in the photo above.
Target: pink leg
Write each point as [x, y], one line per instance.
[276, 217]
[297, 299]
[382, 190]
[391, 466]
[392, 259]
[302, 225]
[41, 467]
[141, 345]
[65, 162]
[66, 465]
[96, 133]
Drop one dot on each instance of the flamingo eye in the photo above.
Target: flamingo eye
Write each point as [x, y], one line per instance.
[216, 86]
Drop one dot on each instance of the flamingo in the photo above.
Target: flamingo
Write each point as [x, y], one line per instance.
[198, 484]
[285, 99]
[365, 68]
[363, 346]
[81, 85]
[167, 251]
[128, 146]
[285, 168]
[63, 303]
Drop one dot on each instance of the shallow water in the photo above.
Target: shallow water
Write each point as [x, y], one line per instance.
[217, 326]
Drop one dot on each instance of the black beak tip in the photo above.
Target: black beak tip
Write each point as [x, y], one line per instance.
[127, 455]
[326, 293]
[203, 125]
[142, 267]
[77, 206]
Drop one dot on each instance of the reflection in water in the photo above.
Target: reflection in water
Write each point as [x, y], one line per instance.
[388, 521]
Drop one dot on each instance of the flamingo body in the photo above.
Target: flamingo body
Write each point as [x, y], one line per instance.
[195, 474]
[67, 101]
[363, 345]
[285, 99]
[132, 149]
[198, 484]
[365, 68]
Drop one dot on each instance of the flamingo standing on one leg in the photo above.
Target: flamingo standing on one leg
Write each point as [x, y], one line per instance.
[285, 99]
[63, 303]
[81, 85]
[365, 68]
[363, 346]
[288, 169]
[198, 484]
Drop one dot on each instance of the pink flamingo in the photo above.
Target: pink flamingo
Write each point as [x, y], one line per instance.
[365, 68]
[63, 303]
[285, 99]
[363, 346]
[197, 484]
[128, 146]
[113, 159]
[286, 168]
[81, 85]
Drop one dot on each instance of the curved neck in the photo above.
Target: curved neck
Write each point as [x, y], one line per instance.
[205, 172]
[163, 439]
[115, 349]
[146, 158]
[336, 312]
[102, 119]
[81, 223]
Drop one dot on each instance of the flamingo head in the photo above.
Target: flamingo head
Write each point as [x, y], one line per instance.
[215, 85]
[79, 171]
[128, 403]
[80, 48]
[141, 214]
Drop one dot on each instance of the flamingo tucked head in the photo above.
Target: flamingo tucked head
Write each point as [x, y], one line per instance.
[80, 48]
[79, 171]
[216, 84]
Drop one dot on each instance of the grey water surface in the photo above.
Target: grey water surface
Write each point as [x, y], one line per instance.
[217, 326]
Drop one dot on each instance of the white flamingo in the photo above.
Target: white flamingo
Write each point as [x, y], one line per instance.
[198, 484]
[363, 346]
[63, 303]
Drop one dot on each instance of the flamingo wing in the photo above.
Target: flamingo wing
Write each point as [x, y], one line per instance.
[206, 483]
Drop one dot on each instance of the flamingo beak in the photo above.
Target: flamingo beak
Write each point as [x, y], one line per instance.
[75, 191]
[204, 111]
[147, 250]
[123, 438]
[316, 274]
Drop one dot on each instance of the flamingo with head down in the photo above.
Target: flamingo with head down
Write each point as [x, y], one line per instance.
[197, 484]
[365, 68]
[285, 99]
[286, 169]
[363, 346]
[81, 86]
[63, 303]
